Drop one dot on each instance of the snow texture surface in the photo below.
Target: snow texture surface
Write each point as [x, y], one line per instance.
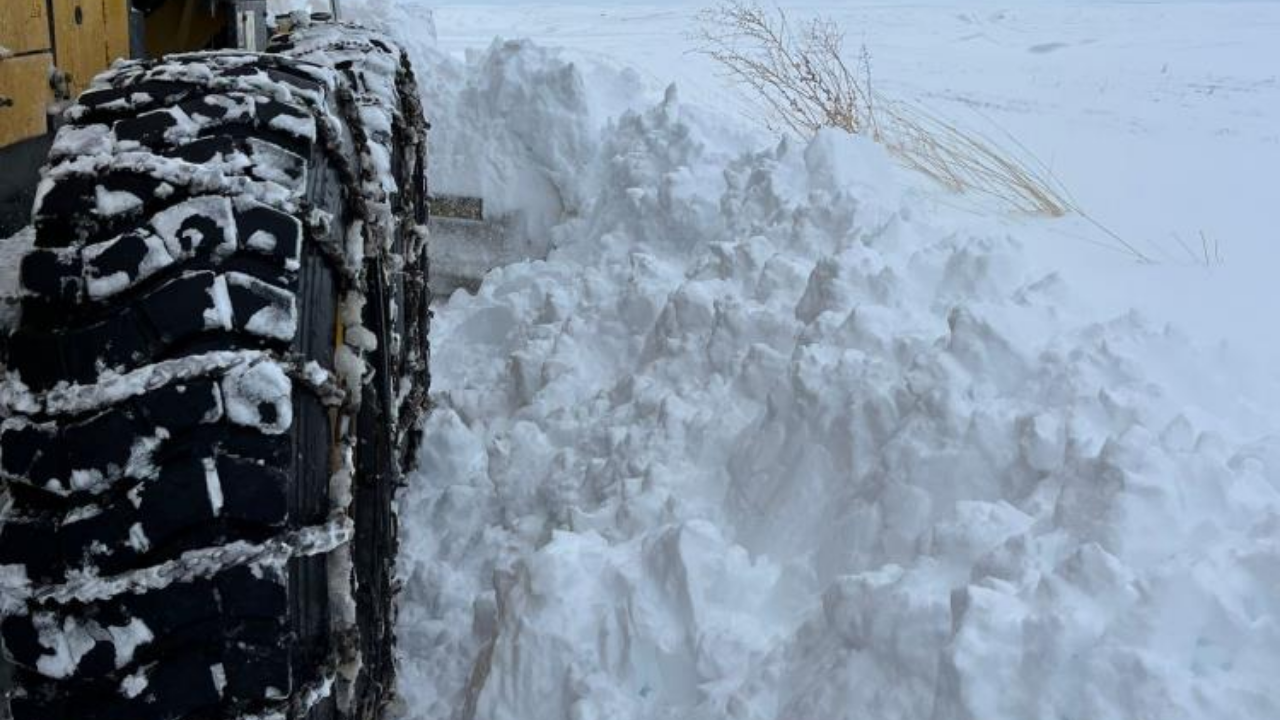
[776, 432]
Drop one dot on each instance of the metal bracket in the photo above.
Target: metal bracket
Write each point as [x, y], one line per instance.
[457, 206]
[249, 24]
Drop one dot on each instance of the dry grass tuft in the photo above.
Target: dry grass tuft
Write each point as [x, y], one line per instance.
[799, 76]
[965, 161]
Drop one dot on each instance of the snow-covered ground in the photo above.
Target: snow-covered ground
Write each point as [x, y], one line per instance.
[777, 430]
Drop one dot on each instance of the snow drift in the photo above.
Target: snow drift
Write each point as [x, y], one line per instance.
[764, 437]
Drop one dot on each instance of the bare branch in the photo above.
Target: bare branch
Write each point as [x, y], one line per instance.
[799, 78]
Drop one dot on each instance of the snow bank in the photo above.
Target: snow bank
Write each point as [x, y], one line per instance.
[762, 439]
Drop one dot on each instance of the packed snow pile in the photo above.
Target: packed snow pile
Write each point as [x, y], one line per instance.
[765, 436]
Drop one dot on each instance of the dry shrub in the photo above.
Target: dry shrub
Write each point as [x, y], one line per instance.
[966, 161]
[800, 77]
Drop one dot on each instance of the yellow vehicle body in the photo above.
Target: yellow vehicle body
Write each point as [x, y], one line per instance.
[52, 49]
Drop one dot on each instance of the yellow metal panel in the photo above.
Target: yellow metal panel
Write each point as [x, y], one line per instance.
[24, 82]
[88, 35]
[117, 14]
[79, 40]
[183, 27]
[24, 26]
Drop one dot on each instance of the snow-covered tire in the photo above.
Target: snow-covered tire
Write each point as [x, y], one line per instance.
[214, 388]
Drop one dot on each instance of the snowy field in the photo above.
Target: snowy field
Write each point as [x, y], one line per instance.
[782, 431]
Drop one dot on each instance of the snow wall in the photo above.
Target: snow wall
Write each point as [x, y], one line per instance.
[769, 435]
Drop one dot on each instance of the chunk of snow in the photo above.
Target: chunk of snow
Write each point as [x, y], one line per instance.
[134, 684]
[259, 395]
[12, 250]
[262, 240]
[218, 315]
[128, 638]
[115, 202]
[219, 674]
[67, 642]
[138, 538]
[213, 485]
[299, 127]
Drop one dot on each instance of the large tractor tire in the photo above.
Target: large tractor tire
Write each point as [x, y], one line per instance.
[215, 386]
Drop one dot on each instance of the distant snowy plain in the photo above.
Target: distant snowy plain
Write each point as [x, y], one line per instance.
[778, 430]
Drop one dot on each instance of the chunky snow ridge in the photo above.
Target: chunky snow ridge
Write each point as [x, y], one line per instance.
[760, 439]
